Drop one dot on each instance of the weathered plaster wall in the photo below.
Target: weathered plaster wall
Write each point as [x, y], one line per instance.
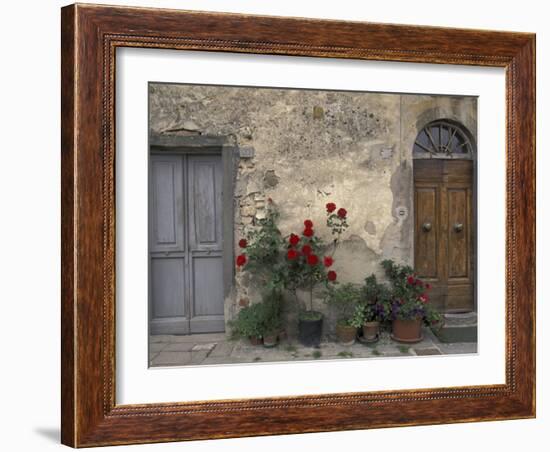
[312, 147]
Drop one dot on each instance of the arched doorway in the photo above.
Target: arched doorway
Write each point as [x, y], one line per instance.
[444, 219]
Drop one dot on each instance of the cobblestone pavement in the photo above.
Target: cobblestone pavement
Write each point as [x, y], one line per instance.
[213, 349]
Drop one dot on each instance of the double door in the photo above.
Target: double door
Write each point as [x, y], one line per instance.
[444, 231]
[185, 244]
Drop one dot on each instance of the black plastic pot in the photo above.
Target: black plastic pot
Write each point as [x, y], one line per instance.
[309, 331]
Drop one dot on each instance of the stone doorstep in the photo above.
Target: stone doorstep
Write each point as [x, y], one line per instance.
[457, 333]
[458, 328]
[461, 319]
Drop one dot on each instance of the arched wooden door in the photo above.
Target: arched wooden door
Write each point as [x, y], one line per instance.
[444, 221]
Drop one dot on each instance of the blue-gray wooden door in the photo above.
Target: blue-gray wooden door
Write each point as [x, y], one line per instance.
[185, 244]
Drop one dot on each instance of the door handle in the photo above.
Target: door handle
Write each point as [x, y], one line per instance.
[458, 227]
[427, 227]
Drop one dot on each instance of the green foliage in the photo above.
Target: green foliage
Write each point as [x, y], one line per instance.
[344, 298]
[403, 349]
[358, 318]
[249, 322]
[377, 297]
[272, 302]
[409, 296]
[310, 315]
[345, 354]
[316, 354]
[299, 274]
[396, 272]
[336, 224]
[371, 303]
[374, 291]
[259, 319]
[264, 251]
[281, 262]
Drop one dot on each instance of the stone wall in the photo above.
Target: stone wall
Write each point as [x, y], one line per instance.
[312, 147]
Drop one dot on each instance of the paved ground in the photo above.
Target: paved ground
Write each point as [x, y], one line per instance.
[217, 349]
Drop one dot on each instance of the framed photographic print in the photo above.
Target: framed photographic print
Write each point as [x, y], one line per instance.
[279, 225]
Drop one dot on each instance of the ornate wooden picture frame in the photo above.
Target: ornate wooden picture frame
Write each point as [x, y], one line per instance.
[90, 37]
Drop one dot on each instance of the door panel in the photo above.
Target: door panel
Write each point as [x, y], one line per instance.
[444, 254]
[205, 242]
[168, 311]
[426, 230]
[205, 198]
[166, 204]
[168, 287]
[458, 232]
[207, 295]
[185, 244]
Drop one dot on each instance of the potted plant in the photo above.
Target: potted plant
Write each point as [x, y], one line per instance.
[296, 262]
[261, 256]
[410, 306]
[306, 269]
[345, 299]
[250, 323]
[376, 307]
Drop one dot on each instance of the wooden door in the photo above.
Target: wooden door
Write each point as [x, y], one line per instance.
[185, 244]
[444, 231]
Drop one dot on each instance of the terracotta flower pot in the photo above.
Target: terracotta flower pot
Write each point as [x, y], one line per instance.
[270, 340]
[371, 330]
[346, 334]
[255, 340]
[408, 331]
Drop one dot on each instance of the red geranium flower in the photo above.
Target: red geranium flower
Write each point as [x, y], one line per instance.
[331, 207]
[308, 224]
[331, 275]
[292, 254]
[294, 239]
[241, 260]
[410, 280]
[306, 249]
[328, 261]
[308, 232]
[342, 212]
[418, 282]
[428, 286]
[423, 298]
[243, 243]
[312, 259]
